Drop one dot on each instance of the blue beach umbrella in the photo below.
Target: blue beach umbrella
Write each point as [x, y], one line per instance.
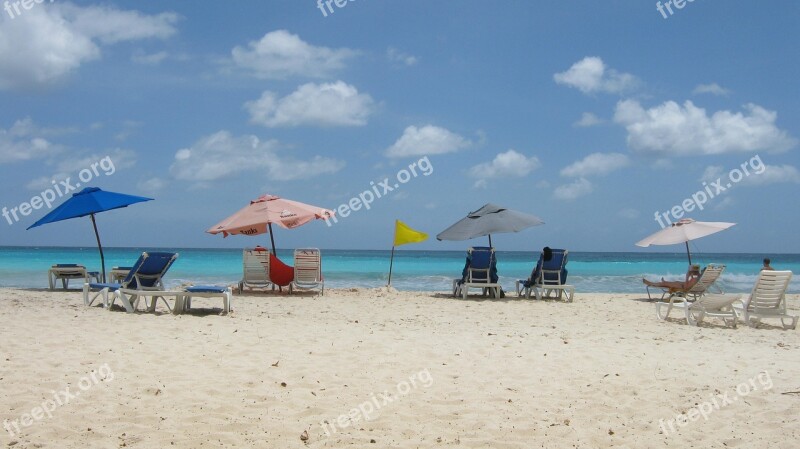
[89, 201]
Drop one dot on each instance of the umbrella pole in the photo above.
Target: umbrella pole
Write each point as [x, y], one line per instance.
[490, 241]
[391, 262]
[688, 253]
[272, 240]
[102, 257]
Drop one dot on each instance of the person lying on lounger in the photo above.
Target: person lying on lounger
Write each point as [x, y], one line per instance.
[692, 275]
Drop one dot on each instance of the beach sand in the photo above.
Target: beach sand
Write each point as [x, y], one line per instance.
[412, 370]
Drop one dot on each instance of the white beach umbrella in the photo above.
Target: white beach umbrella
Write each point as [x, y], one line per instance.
[683, 231]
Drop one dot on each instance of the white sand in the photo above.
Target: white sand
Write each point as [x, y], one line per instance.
[600, 372]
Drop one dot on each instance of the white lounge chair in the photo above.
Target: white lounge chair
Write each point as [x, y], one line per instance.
[708, 278]
[183, 300]
[66, 271]
[709, 305]
[307, 270]
[767, 300]
[255, 267]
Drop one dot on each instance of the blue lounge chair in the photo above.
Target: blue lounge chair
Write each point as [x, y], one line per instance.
[480, 271]
[145, 275]
[549, 275]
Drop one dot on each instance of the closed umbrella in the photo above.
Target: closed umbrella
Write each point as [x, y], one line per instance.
[489, 219]
[682, 232]
[90, 201]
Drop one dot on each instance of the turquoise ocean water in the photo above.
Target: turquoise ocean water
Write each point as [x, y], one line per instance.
[26, 267]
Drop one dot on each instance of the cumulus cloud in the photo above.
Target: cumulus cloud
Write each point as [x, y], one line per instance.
[330, 104]
[713, 89]
[588, 119]
[48, 42]
[426, 141]
[25, 141]
[396, 56]
[118, 159]
[591, 75]
[774, 174]
[573, 190]
[151, 184]
[756, 174]
[222, 155]
[596, 164]
[149, 59]
[673, 129]
[508, 164]
[281, 54]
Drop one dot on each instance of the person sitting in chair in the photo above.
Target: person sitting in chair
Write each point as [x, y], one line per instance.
[547, 255]
[692, 276]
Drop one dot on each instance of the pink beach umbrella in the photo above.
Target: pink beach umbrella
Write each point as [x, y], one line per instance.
[258, 217]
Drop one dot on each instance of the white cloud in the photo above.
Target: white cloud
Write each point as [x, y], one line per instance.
[599, 164]
[222, 155]
[688, 130]
[118, 159]
[629, 214]
[713, 89]
[24, 141]
[573, 190]
[149, 59]
[330, 104]
[724, 203]
[151, 184]
[591, 75]
[426, 141]
[773, 174]
[111, 25]
[280, 54]
[588, 119]
[712, 172]
[508, 164]
[48, 42]
[396, 56]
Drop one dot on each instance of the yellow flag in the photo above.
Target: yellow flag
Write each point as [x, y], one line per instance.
[403, 234]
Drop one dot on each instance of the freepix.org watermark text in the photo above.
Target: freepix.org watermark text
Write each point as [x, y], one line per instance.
[381, 189]
[667, 6]
[16, 8]
[715, 402]
[698, 200]
[326, 6]
[59, 399]
[368, 409]
[59, 189]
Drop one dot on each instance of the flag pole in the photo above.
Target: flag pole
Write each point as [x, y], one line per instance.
[391, 262]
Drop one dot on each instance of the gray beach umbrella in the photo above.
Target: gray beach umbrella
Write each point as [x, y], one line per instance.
[489, 219]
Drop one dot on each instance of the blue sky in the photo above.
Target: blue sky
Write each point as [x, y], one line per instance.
[591, 115]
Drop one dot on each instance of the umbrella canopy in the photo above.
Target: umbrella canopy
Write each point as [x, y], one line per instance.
[258, 217]
[489, 219]
[90, 201]
[682, 232]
